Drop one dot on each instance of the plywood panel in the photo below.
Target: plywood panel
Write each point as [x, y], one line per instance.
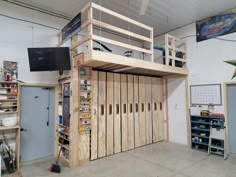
[137, 142]
[101, 114]
[124, 121]
[160, 111]
[110, 108]
[94, 115]
[148, 89]
[84, 145]
[130, 111]
[117, 115]
[154, 109]
[142, 121]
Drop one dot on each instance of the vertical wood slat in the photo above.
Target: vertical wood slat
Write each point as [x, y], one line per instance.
[94, 115]
[130, 112]
[137, 142]
[160, 109]
[117, 115]
[102, 114]
[74, 110]
[142, 121]
[148, 112]
[154, 109]
[110, 108]
[124, 121]
[84, 146]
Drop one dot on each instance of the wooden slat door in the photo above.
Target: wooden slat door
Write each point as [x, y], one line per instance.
[160, 111]
[154, 109]
[94, 115]
[130, 111]
[158, 115]
[124, 121]
[137, 141]
[117, 115]
[142, 116]
[148, 99]
[101, 114]
[109, 105]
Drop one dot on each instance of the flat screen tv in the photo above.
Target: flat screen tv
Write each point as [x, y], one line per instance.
[49, 59]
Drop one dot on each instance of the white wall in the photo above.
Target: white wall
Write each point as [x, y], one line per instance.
[206, 66]
[17, 36]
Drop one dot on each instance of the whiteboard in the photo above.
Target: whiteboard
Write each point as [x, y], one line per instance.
[205, 94]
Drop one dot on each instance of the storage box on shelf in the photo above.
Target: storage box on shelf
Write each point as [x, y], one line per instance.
[85, 107]
[9, 108]
[200, 130]
[62, 128]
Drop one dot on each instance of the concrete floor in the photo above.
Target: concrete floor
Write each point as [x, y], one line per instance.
[156, 160]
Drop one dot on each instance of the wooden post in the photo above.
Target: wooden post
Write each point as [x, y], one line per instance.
[167, 110]
[187, 110]
[74, 107]
[90, 28]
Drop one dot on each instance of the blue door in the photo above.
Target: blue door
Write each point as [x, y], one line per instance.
[231, 104]
[37, 122]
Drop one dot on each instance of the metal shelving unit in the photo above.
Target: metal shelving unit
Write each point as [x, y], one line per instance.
[200, 130]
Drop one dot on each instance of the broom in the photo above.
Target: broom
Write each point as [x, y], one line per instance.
[56, 167]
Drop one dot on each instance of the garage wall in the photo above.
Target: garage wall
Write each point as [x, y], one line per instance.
[206, 66]
[16, 36]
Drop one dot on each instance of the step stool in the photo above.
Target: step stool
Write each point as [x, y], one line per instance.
[218, 133]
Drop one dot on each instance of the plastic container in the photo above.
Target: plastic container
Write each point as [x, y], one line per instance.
[9, 121]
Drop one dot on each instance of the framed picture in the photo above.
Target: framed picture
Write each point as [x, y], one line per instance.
[216, 26]
[10, 70]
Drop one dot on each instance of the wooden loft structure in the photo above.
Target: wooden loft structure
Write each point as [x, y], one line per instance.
[109, 61]
[130, 113]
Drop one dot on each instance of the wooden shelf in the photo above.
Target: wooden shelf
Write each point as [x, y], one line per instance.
[8, 82]
[85, 90]
[81, 124]
[9, 94]
[2, 113]
[85, 84]
[9, 128]
[83, 130]
[8, 100]
[7, 106]
[86, 76]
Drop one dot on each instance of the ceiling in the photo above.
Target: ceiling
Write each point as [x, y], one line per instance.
[163, 15]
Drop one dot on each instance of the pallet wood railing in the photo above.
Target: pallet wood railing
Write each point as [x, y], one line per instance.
[173, 46]
[90, 23]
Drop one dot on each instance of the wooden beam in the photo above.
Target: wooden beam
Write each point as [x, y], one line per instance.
[120, 30]
[117, 15]
[123, 69]
[94, 116]
[187, 110]
[167, 110]
[98, 58]
[121, 44]
[77, 44]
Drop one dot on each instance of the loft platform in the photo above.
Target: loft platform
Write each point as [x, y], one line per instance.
[116, 43]
[113, 63]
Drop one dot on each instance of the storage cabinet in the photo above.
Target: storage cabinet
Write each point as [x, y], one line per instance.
[117, 112]
[9, 113]
[200, 130]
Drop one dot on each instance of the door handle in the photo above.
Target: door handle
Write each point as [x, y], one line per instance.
[23, 130]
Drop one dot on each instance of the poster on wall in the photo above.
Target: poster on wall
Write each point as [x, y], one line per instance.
[10, 70]
[71, 28]
[216, 26]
